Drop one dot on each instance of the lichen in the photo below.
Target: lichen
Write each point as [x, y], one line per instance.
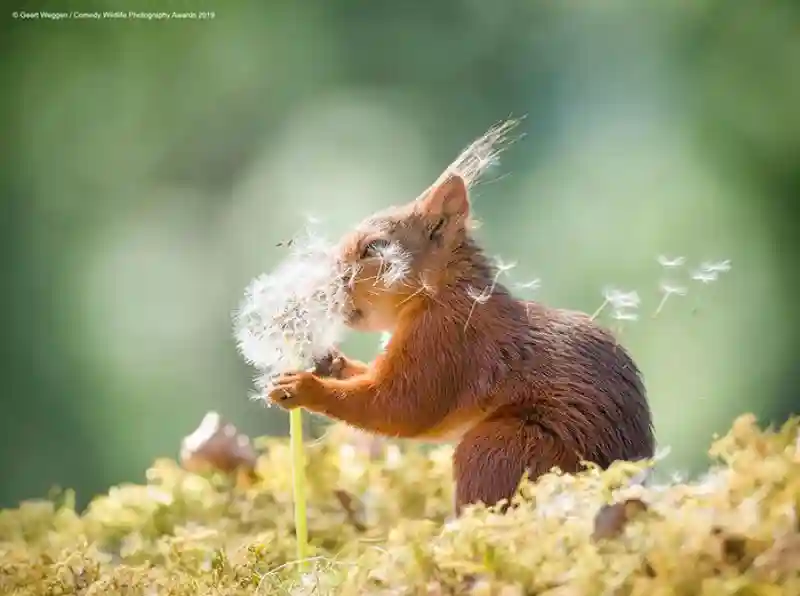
[384, 526]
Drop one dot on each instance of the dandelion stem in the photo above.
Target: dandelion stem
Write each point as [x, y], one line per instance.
[286, 318]
[299, 481]
[298, 454]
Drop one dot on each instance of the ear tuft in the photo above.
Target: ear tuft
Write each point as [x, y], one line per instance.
[449, 198]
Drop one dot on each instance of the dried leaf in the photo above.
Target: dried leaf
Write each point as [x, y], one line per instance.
[611, 519]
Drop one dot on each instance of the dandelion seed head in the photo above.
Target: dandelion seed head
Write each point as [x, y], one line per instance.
[671, 262]
[294, 315]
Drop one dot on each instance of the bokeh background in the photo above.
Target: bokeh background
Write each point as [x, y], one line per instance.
[150, 168]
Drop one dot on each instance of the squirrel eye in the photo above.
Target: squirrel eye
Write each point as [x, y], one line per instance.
[372, 249]
[437, 228]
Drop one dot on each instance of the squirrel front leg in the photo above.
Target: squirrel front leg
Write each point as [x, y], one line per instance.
[381, 406]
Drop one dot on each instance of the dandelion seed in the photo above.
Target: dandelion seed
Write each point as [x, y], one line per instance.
[618, 300]
[481, 154]
[671, 263]
[426, 285]
[481, 297]
[395, 263]
[477, 297]
[294, 315]
[623, 315]
[716, 267]
[534, 284]
[662, 453]
[504, 267]
[677, 477]
[352, 272]
[704, 276]
[668, 289]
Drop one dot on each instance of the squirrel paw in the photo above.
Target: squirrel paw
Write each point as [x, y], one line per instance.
[292, 390]
[331, 365]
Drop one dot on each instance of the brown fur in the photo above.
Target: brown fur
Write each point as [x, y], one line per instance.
[521, 386]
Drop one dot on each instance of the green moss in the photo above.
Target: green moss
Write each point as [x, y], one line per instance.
[381, 527]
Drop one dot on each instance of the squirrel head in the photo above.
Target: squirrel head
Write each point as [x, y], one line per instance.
[397, 256]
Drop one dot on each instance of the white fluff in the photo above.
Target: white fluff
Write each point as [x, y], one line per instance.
[293, 315]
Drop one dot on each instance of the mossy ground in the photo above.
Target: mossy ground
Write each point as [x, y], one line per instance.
[382, 528]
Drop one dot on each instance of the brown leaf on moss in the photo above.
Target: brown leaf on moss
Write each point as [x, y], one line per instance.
[218, 445]
[611, 519]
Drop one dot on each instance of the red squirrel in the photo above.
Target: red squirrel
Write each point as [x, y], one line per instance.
[520, 386]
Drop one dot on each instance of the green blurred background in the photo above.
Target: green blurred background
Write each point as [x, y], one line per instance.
[150, 167]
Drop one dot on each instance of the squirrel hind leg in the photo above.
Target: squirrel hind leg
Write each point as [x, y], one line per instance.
[490, 460]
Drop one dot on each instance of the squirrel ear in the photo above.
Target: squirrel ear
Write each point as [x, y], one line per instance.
[448, 198]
